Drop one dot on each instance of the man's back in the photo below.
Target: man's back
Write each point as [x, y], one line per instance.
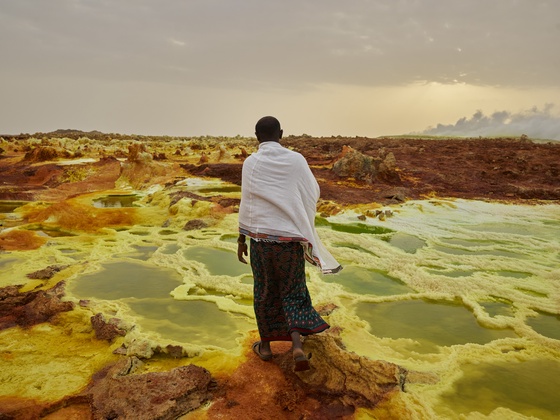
[277, 186]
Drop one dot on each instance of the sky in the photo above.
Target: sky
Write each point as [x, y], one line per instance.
[323, 68]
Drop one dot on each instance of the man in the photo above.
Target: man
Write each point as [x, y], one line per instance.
[278, 204]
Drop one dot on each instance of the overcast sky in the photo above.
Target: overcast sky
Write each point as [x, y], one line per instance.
[323, 67]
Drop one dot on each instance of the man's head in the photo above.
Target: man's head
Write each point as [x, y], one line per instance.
[268, 129]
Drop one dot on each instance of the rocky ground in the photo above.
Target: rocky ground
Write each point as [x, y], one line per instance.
[350, 171]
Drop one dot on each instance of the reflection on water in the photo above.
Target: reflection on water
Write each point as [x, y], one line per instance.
[408, 243]
[143, 252]
[171, 249]
[546, 324]
[529, 387]
[364, 281]
[122, 280]
[497, 308]
[219, 262]
[432, 324]
[196, 322]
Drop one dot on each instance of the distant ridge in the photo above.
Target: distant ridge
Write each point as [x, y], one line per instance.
[70, 131]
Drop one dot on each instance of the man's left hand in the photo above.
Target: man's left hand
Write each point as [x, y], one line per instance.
[241, 251]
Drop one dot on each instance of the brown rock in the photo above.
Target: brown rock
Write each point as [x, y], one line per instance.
[31, 308]
[174, 351]
[344, 376]
[117, 393]
[46, 273]
[338, 383]
[195, 224]
[203, 158]
[135, 152]
[154, 395]
[41, 154]
[397, 194]
[106, 330]
[352, 163]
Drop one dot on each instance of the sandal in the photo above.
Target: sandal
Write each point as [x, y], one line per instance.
[257, 350]
[302, 363]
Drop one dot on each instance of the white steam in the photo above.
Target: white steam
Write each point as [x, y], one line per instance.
[534, 123]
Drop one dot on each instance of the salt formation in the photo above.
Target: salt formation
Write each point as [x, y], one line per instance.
[468, 288]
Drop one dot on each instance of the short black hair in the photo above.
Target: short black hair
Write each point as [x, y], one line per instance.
[268, 128]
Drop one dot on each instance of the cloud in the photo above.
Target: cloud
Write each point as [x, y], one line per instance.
[535, 123]
[177, 42]
[254, 43]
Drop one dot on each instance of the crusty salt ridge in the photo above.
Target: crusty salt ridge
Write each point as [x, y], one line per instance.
[478, 240]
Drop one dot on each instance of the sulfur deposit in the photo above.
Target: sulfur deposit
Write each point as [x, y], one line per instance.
[121, 295]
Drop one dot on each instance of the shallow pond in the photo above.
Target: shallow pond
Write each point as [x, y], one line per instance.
[528, 387]
[431, 324]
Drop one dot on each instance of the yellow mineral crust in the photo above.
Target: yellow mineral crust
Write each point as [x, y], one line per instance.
[496, 263]
[49, 361]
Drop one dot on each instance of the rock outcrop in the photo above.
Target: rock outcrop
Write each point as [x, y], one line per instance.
[106, 330]
[118, 393]
[352, 163]
[31, 308]
[338, 383]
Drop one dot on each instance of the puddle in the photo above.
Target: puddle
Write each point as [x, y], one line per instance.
[497, 308]
[531, 292]
[218, 261]
[195, 322]
[546, 324]
[351, 227]
[405, 242]
[430, 323]
[229, 238]
[492, 252]
[364, 281]
[528, 387]
[146, 290]
[451, 273]
[123, 280]
[8, 206]
[143, 252]
[171, 249]
[513, 274]
[116, 200]
[139, 233]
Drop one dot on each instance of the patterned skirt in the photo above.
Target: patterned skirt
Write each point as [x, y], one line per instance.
[281, 299]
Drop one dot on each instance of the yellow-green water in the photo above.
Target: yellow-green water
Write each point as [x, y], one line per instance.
[466, 290]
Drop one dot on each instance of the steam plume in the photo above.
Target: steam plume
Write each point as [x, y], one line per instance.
[534, 123]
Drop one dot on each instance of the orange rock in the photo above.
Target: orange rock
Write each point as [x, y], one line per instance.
[20, 240]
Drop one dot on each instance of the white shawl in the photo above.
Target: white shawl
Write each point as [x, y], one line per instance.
[279, 197]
